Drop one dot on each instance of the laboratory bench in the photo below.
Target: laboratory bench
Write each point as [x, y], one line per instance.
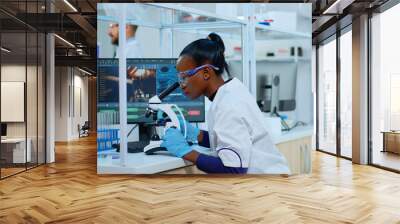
[295, 145]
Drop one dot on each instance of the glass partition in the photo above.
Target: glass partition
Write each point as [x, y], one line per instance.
[13, 104]
[346, 94]
[22, 89]
[327, 96]
[385, 90]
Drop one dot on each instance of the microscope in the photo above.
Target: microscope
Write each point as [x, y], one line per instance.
[155, 105]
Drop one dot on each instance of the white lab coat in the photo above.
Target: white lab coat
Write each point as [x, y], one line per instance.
[133, 49]
[238, 133]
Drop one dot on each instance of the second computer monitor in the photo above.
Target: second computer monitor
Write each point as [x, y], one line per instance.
[145, 78]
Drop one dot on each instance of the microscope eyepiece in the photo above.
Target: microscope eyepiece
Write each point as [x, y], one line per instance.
[168, 90]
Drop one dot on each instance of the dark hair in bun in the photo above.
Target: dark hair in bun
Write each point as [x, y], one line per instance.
[210, 49]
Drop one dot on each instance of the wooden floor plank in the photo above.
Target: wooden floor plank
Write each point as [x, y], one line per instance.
[70, 191]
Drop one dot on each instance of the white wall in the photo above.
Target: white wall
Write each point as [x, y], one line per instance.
[14, 73]
[61, 103]
[70, 83]
[79, 117]
[17, 73]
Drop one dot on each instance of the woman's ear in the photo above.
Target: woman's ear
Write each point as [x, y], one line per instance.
[206, 74]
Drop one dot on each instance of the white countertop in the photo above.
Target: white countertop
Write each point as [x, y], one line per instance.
[108, 162]
[14, 140]
[294, 134]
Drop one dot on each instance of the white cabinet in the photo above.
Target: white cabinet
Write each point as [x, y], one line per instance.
[298, 154]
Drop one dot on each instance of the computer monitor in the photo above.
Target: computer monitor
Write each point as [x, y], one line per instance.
[3, 129]
[145, 78]
[277, 91]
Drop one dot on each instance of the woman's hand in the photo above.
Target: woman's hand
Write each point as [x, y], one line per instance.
[175, 143]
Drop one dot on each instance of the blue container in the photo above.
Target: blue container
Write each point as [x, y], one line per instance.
[106, 137]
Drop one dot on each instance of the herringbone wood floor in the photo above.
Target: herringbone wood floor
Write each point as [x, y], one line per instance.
[70, 191]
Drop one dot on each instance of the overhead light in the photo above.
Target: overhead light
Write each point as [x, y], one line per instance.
[65, 41]
[338, 6]
[70, 5]
[331, 7]
[5, 50]
[84, 71]
[80, 51]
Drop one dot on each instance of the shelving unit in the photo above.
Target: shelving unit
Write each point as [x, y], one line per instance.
[276, 59]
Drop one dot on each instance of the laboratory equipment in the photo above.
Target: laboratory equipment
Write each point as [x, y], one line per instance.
[159, 126]
[276, 89]
[264, 92]
[107, 130]
[154, 106]
[275, 94]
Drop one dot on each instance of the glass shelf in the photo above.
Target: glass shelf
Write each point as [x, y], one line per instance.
[169, 16]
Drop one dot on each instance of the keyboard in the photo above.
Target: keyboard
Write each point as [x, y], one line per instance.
[133, 147]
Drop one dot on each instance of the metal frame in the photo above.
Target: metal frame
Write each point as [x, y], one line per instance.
[369, 78]
[317, 97]
[26, 88]
[122, 88]
[0, 91]
[338, 98]
[245, 50]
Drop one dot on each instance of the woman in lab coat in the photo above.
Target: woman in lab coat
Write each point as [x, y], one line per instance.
[236, 131]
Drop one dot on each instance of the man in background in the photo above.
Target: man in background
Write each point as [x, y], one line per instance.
[133, 49]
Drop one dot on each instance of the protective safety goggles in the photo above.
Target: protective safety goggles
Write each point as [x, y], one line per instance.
[183, 76]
